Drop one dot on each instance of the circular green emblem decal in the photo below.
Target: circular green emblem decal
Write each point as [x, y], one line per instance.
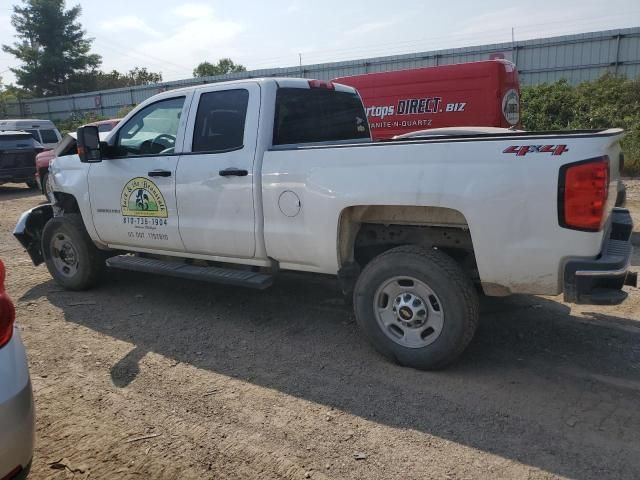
[142, 198]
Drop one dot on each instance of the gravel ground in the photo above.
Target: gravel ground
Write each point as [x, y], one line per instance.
[149, 377]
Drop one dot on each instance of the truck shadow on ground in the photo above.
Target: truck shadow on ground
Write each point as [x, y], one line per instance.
[537, 385]
[15, 191]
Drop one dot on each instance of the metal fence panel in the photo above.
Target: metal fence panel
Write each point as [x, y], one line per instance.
[574, 57]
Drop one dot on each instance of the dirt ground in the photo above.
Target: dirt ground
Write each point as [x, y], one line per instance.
[157, 378]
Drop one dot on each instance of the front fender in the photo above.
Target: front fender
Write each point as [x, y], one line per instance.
[29, 228]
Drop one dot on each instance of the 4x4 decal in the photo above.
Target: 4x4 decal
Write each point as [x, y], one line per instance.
[522, 150]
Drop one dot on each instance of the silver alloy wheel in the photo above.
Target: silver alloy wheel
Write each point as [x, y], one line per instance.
[64, 255]
[408, 311]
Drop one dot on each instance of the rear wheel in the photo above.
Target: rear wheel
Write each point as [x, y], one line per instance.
[416, 306]
[71, 257]
[32, 183]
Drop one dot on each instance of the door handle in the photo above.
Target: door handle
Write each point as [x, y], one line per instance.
[233, 172]
[159, 173]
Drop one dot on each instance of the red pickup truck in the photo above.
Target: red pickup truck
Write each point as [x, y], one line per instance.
[479, 94]
[66, 146]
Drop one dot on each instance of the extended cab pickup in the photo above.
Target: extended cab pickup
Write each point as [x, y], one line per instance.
[236, 181]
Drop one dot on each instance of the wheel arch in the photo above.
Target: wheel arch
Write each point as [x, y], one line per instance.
[365, 231]
[66, 203]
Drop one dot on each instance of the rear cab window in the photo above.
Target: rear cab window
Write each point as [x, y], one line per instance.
[313, 115]
[16, 141]
[49, 136]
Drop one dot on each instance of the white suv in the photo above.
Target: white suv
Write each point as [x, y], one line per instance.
[44, 131]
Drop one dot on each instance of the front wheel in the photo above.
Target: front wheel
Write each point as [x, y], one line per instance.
[70, 255]
[416, 306]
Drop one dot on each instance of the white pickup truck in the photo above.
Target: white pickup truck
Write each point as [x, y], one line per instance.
[232, 182]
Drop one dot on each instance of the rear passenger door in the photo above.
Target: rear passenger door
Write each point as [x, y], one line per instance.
[215, 176]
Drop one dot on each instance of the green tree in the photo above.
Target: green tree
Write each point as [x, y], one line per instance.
[549, 106]
[224, 65]
[10, 94]
[98, 80]
[5, 96]
[607, 102]
[51, 46]
[141, 76]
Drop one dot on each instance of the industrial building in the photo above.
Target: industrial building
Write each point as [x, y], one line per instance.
[574, 57]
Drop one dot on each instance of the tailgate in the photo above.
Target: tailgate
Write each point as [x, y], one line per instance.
[590, 192]
[17, 159]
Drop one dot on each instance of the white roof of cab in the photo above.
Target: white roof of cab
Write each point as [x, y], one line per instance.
[21, 120]
[14, 132]
[282, 82]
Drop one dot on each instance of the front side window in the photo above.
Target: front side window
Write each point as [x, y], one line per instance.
[151, 131]
[220, 121]
[306, 115]
[49, 136]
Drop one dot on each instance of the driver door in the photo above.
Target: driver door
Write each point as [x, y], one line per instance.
[132, 193]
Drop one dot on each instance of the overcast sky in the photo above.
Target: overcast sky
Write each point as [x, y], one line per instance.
[170, 38]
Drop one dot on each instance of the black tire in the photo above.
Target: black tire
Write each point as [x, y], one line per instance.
[455, 294]
[90, 262]
[32, 183]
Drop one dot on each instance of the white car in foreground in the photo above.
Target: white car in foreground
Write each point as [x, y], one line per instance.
[17, 429]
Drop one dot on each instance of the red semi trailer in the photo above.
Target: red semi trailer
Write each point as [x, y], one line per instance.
[468, 94]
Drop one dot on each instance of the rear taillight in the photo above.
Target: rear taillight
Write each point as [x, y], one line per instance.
[321, 84]
[7, 311]
[582, 194]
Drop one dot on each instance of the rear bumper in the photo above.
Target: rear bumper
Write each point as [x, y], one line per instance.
[599, 281]
[17, 175]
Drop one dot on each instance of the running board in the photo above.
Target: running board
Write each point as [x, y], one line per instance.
[226, 276]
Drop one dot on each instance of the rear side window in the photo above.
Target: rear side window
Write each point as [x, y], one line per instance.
[105, 127]
[220, 121]
[49, 136]
[35, 135]
[318, 115]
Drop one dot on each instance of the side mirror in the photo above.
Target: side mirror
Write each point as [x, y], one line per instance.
[89, 144]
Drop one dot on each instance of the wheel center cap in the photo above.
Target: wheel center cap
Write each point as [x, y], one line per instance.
[405, 313]
[68, 255]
